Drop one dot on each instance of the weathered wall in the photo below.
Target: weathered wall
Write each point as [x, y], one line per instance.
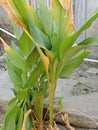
[92, 5]
[79, 15]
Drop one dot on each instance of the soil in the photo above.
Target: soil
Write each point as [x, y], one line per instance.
[79, 91]
[86, 76]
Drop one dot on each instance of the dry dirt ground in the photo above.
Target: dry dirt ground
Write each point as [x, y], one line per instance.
[78, 93]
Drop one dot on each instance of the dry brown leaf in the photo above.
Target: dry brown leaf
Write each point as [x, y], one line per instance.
[66, 121]
[50, 128]
[55, 126]
[67, 5]
[25, 119]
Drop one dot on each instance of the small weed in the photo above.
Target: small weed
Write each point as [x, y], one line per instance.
[59, 102]
[73, 89]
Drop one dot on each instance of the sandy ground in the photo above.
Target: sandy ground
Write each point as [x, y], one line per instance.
[78, 93]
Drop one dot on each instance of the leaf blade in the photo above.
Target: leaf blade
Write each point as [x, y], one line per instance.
[62, 18]
[72, 65]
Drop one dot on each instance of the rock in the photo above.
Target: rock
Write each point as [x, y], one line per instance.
[78, 120]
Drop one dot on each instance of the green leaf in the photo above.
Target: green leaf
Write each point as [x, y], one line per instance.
[14, 73]
[39, 105]
[14, 115]
[25, 44]
[16, 59]
[46, 18]
[35, 74]
[20, 120]
[35, 18]
[23, 94]
[55, 43]
[23, 15]
[12, 104]
[15, 29]
[87, 24]
[54, 66]
[62, 18]
[89, 41]
[71, 52]
[21, 10]
[32, 59]
[37, 94]
[15, 47]
[68, 55]
[73, 64]
[68, 42]
[11, 119]
[39, 37]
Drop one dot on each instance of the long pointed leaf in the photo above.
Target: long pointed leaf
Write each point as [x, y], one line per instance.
[20, 121]
[25, 18]
[35, 18]
[16, 59]
[87, 24]
[62, 17]
[73, 64]
[25, 44]
[68, 42]
[33, 33]
[11, 117]
[46, 19]
[35, 74]
[21, 10]
[14, 73]
[71, 52]
[32, 59]
[13, 56]
[90, 41]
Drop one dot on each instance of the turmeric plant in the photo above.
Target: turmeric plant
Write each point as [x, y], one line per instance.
[46, 52]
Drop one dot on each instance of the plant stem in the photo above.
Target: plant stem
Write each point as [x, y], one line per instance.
[40, 127]
[51, 101]
[52, 80]
[39, 104]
